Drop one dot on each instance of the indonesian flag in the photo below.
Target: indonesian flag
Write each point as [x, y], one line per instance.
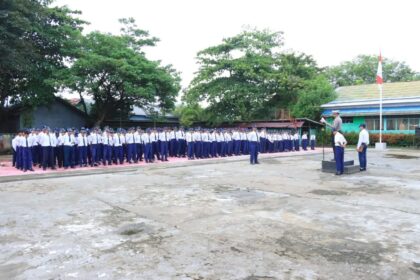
[379, 79]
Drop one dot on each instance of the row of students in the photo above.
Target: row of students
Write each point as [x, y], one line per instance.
[70, 148]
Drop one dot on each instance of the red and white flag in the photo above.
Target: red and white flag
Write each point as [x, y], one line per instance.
[379, 79]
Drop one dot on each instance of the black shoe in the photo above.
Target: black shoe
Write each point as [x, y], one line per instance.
[362, 169]
[31, 170]
[257, 162]
[338, 174]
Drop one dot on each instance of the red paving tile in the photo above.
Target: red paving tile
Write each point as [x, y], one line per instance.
[6, 168]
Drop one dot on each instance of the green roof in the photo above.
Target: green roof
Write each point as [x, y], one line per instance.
[390, 91]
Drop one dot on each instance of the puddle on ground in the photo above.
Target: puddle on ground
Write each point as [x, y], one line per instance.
[328, 192]
[398, 156]
[135, 228]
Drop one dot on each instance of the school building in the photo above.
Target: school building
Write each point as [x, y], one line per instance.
[360, 104]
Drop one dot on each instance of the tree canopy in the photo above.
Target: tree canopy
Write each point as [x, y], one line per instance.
[35, 41]
[316, 92]
[114, 70]
[362, 70]
[248, 76]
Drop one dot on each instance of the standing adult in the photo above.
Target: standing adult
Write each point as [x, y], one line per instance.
[362, 145]
[336, 126]
[340, 144]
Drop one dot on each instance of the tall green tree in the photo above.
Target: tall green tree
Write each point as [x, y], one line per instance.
[189, 114]
[316, 92]
[248, 76]
[36, 41]
[115, 72]
[362, 70]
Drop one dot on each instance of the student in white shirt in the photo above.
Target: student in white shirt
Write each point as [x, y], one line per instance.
[362, 145]
[180, 142]
[107, 143]
[172, 142]
[147, 142]
[47, 141]
[305, 141]
[131, 146]
[189, 137]
[340, 144]
[93, 140]
[118, 141]
[163, 137]
[15, 142]
[69, 143]
[138, 156]
[82, 145]
[313, 141]
[25, 150]
[254, 140]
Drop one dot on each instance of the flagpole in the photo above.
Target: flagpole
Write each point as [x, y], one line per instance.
[379, 81]
[380, 113]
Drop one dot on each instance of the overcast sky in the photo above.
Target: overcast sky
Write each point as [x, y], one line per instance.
[330, 31]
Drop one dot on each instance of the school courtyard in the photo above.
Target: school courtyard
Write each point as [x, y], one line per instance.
[217, 219]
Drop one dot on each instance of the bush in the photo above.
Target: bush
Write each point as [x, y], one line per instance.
[397, 140]
[400, 140]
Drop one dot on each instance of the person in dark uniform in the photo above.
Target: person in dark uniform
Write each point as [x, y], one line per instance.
[337, 124]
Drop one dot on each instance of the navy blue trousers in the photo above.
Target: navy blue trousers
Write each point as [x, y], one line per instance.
[148, 153]
[173, 147]
[362, 157]
[119, 154]
[131, 152]
[26, 158]
[190, 148]
[198, 146]
[106, 154]
[69, 156]
[47, 157]
[82, 155]
[93, 152]
[253, 151]
[339, 159]
[206, 149]
[181, 147]
[304, 144]
[312, 144]
[164, 150]
[139, 152]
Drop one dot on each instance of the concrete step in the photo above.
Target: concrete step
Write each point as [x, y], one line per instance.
[351, 169]
[331, 164]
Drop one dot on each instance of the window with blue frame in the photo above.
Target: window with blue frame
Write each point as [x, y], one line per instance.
[402, 123]
[372, 123]
[347, 119]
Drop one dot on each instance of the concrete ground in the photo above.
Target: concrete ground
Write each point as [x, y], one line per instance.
[222, 219]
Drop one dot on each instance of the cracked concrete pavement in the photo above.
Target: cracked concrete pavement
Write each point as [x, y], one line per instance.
[283, 219]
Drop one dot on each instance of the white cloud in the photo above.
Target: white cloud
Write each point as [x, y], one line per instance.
[331, 31]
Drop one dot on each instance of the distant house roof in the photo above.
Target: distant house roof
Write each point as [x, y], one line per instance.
[137, 114]
[398, 98]
[370, 92]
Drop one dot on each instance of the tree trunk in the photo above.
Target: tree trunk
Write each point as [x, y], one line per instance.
[82, 100]
[100, 119]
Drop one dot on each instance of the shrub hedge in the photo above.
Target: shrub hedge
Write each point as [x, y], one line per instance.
[400, 140]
